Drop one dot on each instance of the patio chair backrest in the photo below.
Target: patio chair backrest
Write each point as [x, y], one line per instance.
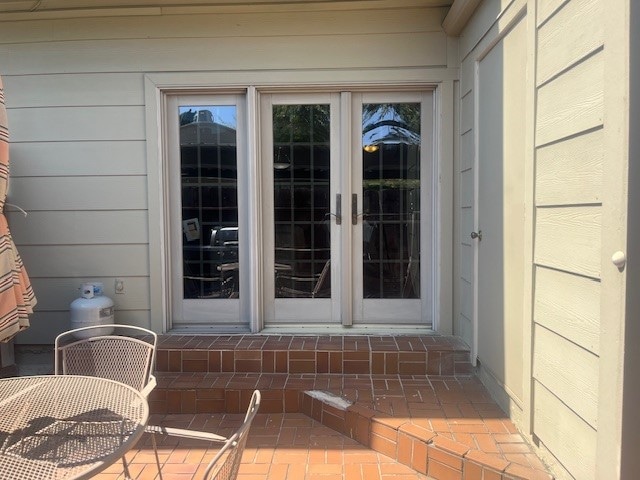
[122, 353]
[226, 463]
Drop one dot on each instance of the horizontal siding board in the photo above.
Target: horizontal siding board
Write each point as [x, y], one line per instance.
[466, 298]
[574, 32]
[465, 329]
[572, 441]
[571, 103]
[569, 239]
[546, 8]
[73, 90]
[256, 53]
[225, 25]
[569, 371]
[467, 109]
[466, 225]
[480, 23]
[80, 228]
[498, 17]
[570, 172]
[56, 294]
[568, 305]
[467, 150]
[467, 76]
[466, 188]
[79, 193]
[46, 325]
[466, 263]
[76, 123]
[86, 261]
[67, 159]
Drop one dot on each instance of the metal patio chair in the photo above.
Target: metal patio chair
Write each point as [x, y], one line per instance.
[123, 353]
[226, 463]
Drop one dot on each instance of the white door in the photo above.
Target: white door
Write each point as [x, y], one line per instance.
[206, 182]
[346, 208]
[391, 203]
[500, 222]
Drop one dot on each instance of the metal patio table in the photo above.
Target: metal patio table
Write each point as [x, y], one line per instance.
[66, 426]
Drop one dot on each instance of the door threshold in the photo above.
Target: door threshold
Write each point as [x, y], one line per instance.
[347, 330]
[309, 329]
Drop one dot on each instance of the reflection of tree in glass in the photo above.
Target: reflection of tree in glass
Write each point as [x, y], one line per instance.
[301, 123]
[391, 122]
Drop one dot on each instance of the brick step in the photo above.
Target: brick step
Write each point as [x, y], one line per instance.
[444, 427]
[370, 355]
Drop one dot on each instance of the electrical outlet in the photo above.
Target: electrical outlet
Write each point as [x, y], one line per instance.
[119, 286]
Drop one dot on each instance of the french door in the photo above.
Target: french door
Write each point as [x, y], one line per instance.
[206, 175]
[340, 208]
[347, 208]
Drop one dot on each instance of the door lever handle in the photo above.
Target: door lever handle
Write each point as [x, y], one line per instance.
[354, 209]
[477, 235]
[338, 213]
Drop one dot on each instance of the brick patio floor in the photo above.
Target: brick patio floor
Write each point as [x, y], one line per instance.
[288, 446]
[340, 407]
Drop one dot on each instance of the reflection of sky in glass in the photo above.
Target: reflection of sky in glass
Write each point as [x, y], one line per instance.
[221, 114]
[385, 123]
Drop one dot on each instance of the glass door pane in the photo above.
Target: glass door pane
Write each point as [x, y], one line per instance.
[392, 190]
[391, 200]
[301, 198]
[302, 235]
[207, 240]
[209, 176]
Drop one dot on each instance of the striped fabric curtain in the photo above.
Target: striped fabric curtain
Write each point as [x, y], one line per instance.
[16, 295]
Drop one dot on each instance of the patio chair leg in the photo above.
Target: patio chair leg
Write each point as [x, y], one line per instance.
[125, 467]
[155, 451]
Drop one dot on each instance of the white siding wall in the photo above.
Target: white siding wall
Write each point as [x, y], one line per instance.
[75, 97]
[569, 158]
[567, 121]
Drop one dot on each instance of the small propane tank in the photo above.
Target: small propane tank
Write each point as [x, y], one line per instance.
[92, 309]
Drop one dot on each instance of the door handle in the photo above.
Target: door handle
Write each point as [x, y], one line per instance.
[477, 235]
[338, 213]
[354, 209]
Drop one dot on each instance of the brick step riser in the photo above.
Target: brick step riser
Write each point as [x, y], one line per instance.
[432, 362]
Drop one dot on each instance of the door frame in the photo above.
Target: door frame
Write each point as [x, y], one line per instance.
[161, 85]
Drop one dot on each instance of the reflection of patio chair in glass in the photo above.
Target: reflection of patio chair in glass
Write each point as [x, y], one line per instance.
[308, 286]
[305, 249]
[216, 266]
[218, 286]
